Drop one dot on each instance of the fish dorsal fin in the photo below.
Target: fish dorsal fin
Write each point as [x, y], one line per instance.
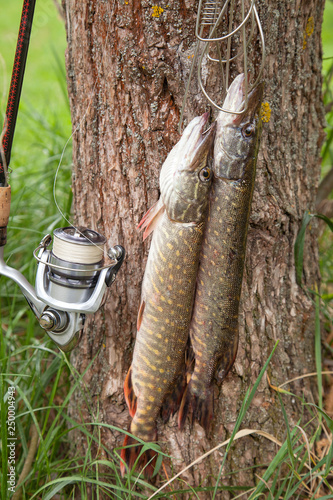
[150, 220]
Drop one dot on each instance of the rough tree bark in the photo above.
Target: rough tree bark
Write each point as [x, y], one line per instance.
[126, 75]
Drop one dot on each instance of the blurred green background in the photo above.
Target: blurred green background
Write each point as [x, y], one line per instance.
[43, 89]
[327, 35]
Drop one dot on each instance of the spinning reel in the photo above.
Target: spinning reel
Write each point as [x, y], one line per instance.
[71, 281]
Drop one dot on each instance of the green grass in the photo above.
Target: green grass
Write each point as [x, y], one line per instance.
[44, 377]
[28, 359]
[327, 35]
[326, 238]
[39, 373]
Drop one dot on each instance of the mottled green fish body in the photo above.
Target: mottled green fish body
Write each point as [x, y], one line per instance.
[167, 293]
[177, 222]
[214, 325]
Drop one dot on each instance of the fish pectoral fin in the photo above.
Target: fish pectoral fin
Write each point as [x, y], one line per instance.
[150, 220]
[130, 397]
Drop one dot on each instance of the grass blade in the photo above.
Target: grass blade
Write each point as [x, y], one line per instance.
[273, 466]
[299, 243]
[299, 247]
[326, 219]
[289, 444]
[318, 350]
[329, 422]
[245, 405]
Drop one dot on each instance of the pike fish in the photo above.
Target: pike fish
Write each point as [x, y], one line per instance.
[214, 325]
[177, 221]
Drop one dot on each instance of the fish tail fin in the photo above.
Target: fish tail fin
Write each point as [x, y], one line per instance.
[201, 404]
[131, 453]
[173, 400]
[150, 220]
[129, 394]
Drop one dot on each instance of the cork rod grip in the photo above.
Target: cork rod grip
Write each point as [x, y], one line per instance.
[5, 196]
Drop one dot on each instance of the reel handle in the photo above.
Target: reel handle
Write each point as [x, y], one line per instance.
[118, 253]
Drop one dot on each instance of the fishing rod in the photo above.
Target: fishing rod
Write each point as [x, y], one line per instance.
[73, 276]
[16, 85]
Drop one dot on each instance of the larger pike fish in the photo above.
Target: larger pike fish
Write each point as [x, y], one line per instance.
[168, 287]
[214, 326]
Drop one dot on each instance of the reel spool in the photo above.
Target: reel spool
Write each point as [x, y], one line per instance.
[74, 264]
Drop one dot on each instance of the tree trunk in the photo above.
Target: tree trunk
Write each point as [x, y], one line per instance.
[126, 76]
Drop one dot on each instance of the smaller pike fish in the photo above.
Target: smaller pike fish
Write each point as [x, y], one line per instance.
[214, 325]
[177, 220]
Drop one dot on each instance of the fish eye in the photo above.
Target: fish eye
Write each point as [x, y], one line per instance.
[205, 174]
[248, 130]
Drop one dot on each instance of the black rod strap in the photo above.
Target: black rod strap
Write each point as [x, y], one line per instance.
[16, 83]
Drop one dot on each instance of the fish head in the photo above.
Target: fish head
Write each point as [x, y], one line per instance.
[186, 175]
[237, 135]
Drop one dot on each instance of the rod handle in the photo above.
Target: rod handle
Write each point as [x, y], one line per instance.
[5, 196]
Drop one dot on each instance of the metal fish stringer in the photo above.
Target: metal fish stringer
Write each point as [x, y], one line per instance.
[226, 32]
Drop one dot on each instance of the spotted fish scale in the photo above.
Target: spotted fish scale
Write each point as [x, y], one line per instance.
[168, 291]
[214, 325]
[177, 222]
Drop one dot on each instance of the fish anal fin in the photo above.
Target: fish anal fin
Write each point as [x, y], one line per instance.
[130, 397]
[150, 220]
[140, 314]
[225, 363]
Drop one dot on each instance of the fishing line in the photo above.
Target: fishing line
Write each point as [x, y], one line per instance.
[68, 140]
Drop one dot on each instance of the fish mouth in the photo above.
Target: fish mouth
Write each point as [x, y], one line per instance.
[241, 110]
[198, 140]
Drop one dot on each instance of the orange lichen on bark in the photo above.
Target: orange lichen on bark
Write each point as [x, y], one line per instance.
[157, 11]
[308, 30]
[309, 26]
[265, 112]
